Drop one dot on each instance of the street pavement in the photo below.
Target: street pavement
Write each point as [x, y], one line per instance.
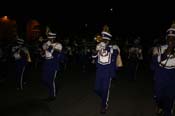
[75, 95]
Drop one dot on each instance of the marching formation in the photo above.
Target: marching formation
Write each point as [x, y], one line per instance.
[107, 56]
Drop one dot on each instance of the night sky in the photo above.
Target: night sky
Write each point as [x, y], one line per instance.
[140, 18]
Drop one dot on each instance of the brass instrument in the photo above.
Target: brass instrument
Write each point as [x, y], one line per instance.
[28, 56]
[98, 38]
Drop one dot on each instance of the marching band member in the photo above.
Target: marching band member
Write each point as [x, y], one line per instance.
[135, 56]
[57, 57]
[51, 64]
[164, 73]
[105, 58]
[22, 57]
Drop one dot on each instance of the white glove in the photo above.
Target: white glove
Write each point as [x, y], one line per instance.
[58, 46]
[115, 47]
[100, 46]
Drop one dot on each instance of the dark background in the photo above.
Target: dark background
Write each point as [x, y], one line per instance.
[146, 19]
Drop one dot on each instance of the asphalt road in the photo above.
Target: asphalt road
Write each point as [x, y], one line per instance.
[76, 96]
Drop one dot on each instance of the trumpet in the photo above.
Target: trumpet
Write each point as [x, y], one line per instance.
[98, 38]
[28, 57]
